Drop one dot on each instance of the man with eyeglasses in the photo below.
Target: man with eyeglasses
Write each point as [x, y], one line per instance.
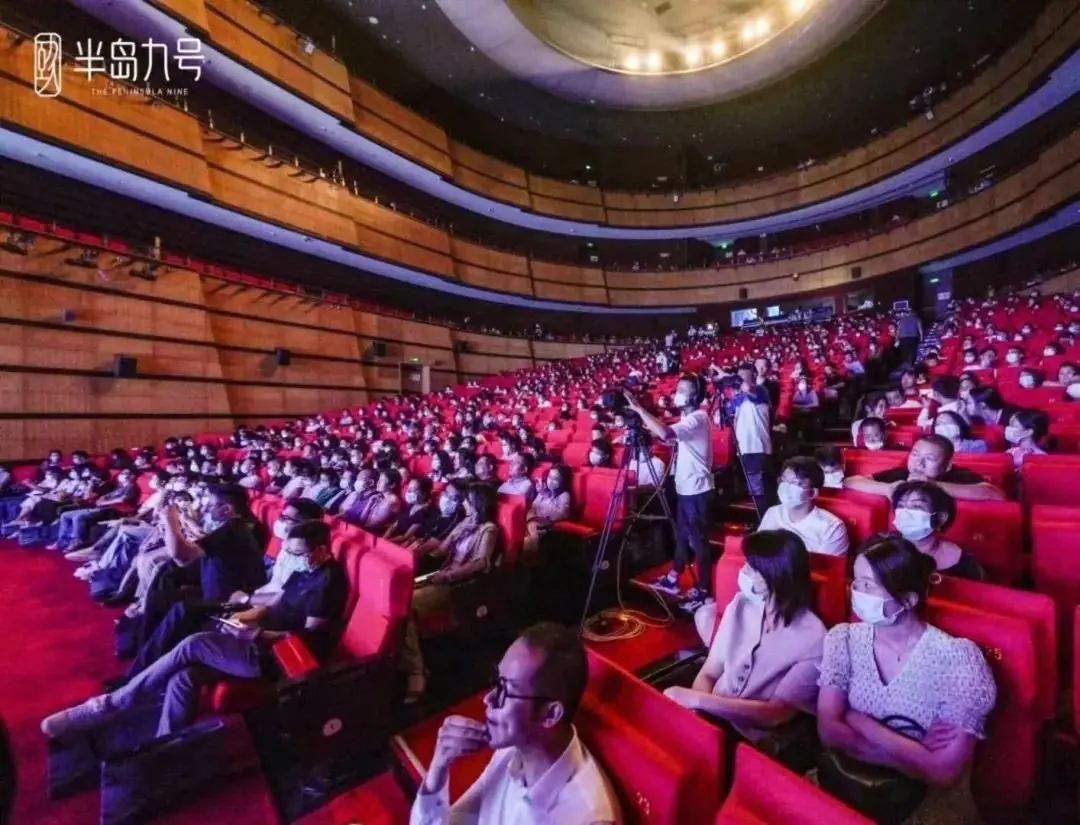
[540, 771]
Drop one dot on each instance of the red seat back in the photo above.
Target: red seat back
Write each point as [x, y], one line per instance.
[1049, 479]
[862, 513]
[768, 793]
[384, 585]
[576, 454]
[1055, 560]
[993, 532]
[666, 761]
[1003, 775]
[597, 490]
[510, 516]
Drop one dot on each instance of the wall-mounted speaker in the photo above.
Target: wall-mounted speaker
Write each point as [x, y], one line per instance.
[856, 273]
[378, 348]
[124, 366]
[744, 293]
[282, 357]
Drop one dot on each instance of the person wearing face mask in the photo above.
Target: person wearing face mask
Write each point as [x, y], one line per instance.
[311, 604]
[694, 484]
[1067, 373]
[442, 467]
[872, 433]
[945, 397]
[831, 461]
[466, 553]
[1026, 428]
[551, 504]
[952, 426]
[75, 525]
[893, 664]
[600, 453]
[416, 516]
[1029, 379]
[301, 475]
[1014, 357]
[519, 482]
[485, 469]
[922, 512]
[800, 481]
[762, 667]
[373, 512]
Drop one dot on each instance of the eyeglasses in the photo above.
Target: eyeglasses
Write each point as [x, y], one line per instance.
[501, 693]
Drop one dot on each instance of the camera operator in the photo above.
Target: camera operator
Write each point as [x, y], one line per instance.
[693, 485]
[751, 412]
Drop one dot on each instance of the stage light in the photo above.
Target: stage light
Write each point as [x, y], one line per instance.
[632, 62]
[692, 55]
[654, 61]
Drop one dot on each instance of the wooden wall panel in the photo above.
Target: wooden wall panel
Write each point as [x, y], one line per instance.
[570, 292]
[495, 345]
[397, 224]
[236, 26]
[560, 190]
[397, 139]
[488, 166]
[367, 97]
[487, 364]
[190, 11]
[476, 182]
[562, 273]
[560, 351]
[403, 252]
[489, 258]
[487, 279]
[565, 209]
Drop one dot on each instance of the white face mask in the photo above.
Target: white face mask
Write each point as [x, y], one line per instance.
[914, 525]
[1027, 382]
[871, 609]
[746, 587]
[447, 506]
[1073, 390]
[873, 445]
[948, 431]
[681, 399]
[834, 479]
[1049, 352]
[802, 386]
[1014, 435]
[411, 497]
[595, 459]
[792, 495]
[969, 359]
[1013, 357]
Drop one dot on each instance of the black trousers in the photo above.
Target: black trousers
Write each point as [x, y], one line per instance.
[691, 533]
[758, 469]
[909, 348]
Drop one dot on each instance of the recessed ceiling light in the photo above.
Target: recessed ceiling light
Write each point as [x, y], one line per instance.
[749, 31]
[798, 6]
[692, 54]
[718, 48]
[764, 26]
[632, 62]
[655, 61]
[373, 21]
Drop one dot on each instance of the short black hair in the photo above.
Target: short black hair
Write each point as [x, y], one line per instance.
[781, 557]
[899, 566]
[805, 469]
[236, 497]
[939, 441]
[940, 501]
[483, 497]
[564, 672]
[307, 509]
[829, 455]
[392, 476]
[947, 386]
[330, 474]
[315, 533]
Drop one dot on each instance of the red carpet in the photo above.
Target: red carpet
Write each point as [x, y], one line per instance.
[56, 647]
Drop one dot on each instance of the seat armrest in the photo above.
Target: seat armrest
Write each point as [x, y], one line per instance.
[293, 657]
[573, 528]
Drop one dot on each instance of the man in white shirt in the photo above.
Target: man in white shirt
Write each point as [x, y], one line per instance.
[751, 412]
[540, 772]
[821, 531]
[694, 485]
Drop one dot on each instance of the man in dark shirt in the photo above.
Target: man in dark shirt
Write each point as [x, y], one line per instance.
[312, 603]
[930, 459]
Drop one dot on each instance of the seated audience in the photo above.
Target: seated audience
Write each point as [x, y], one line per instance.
[519, 481]
[552, 504]
[892, 666]
[873, 432]
[801, 479]
[831, 461]
[1025, 430]
[951, 425]
[600, 453]
[312, 604]
[922, 512]
[418, 514]
[762, 667]
[529, 725]
[930, 459]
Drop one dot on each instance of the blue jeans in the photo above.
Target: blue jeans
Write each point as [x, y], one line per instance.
[200, 659]
[75, 524]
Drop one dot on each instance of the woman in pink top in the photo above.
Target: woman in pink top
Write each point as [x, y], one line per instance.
[552, 504]
[762, 667]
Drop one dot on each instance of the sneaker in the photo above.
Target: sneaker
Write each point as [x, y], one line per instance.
[77, 719]
[86, 554]
[85, 573]
[694, 594]
[690, 606]
[53, 546]
[668, 583]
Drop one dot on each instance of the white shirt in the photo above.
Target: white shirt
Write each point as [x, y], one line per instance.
[693, 456]
[752, 424]
[643, 477]
[573, 791]
[820, 530]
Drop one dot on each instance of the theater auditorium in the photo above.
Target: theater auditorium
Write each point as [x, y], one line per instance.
[540, 412]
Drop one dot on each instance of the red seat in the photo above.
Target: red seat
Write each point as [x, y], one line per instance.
[510, 515]
[993, 532]
[1076, 672]
[1049, 479]
[576, 454]
[1003, 775]
[767, 793]
[1055, 561]
[862, 513]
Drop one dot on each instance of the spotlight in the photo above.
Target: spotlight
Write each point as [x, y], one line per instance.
[18, 242]
[719, 48]
[632, 62]
[692, 55]
[654, 61]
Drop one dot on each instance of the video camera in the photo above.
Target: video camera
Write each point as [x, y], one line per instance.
[614, 399]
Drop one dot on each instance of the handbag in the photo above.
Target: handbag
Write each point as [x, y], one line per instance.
[794, 744]
[883, 794]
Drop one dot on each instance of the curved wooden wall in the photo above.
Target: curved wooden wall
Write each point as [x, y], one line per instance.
[272, 49]
[166, 143]
[205, 351]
